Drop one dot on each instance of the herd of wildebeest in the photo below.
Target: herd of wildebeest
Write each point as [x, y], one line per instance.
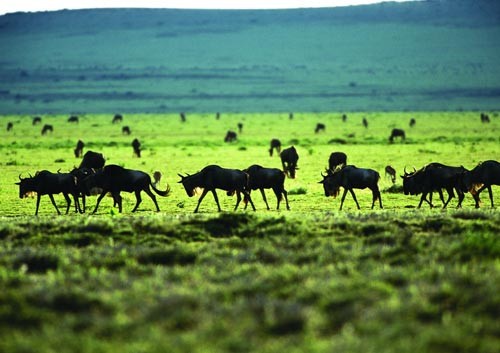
[93, 177]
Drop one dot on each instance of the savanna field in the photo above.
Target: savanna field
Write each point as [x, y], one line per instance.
[312, 279]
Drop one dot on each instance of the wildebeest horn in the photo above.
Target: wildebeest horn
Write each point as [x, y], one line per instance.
[414, 169]
[20, 177]
[406, 173]
[324, 176]
[30, 175]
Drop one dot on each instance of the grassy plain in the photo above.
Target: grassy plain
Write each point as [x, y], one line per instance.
[310, 279]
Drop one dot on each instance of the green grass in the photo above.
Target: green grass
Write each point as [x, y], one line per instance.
[310, 279]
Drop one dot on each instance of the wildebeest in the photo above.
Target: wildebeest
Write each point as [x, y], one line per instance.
[73, 119]
[397, 133]
[485, 118]
[240, 128]
[434, 177]
[183, 117]
[412, 122]
[267, 178]
[37, 120]
[80, 174]
[156, 178]
[230, 136]
[391, 172]
[365, 123]
[290, 116]
[115, 179]
[217, 116]
[481, 177]
[46, 128]
[351, 177]
[79, 149]
[10, 125]
[47, 183]
[126, 130]
[275, 145]
[93, 160]
[118, 118]
[344, 118]
[337, 159]
[214, 177]
[319, 127]
[289, 158]
[136, 145]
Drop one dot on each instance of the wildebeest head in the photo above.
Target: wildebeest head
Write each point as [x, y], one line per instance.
[189, 184]
[26, 186]
[410, 182]
[331, 183]
[92, 183]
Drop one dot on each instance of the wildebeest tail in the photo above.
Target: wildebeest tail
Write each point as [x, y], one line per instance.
[159, 192]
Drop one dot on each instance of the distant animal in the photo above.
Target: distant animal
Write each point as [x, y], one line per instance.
[217, 116]
[126, 130]
[412, 122]
[47, 183]
[289, 158]
[240, 128]
[136, 145]
[397, 133]
[390, 172]
[36, 120]
[267, 178]
[156, 178]
[73, 119]
[290, 116]
[115, 179]
[118, 118]
[79, 149]
[481, 177]
[351, 177]
[46, 128]
[275, 145]
[214, 177]
[183, 117]
[230, 136]
[485, 118]
[365, 123]
[92, 160]
[336, 160]
[319, 127]
[10, 125]
[344, 118]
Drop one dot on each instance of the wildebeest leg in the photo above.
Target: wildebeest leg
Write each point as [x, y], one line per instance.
[248, 198]
[461, 197]
[376, 195]
[423, 198]
[265, 200]
[68, 202]
[215, 197]
[285, 194]
[238, 200]
[117, 200]
[354, 197]
[37, 203]
[491, 196]
[82, 209]
[53, 202]
[99, 200]
[202, 197]
[138, 199]
[153, 197]
[342, 199]
[450, 196]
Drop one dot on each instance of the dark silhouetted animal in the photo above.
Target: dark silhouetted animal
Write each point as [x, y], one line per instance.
[46, 128]
[183, 117]
[126, 130]
[47, 183]
[344, 118]
[10, 125]
[79, 149]
[230, 136]
[240, 128]
[275, 145]
[73, 119]
[397, 133]
[319, 127]
[214, 177]
[485, 118]
[290, 116]
[115, 179]
[136, 145]
[80, 174]
[267, 178]
[412, 122]
[37, 120]
[351, 177]
[289, 158]
[156, 178]
[337, 159]
[93, 160]
[118, 118]
[391, 172]
[365, 123]
[481, 177]
[217, 116]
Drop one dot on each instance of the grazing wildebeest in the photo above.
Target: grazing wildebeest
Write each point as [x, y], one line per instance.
[126, 130]
[391, 172]
[230, 136]
[344, 118]
[37, 120]
[183, 117]
[136, 145]
[397, 133]
[351, 177]
[118, 118]
[275, 145]
[10, 125]
[156, 178]
[115, 179]
[289, 158]
[412, 122]
[93, 160]
[46, 128]
[434, 177]
[214, 177]
[217, 116]
[481, 177]
[47, 183]
[267, 178]
[240, 128]
[485, 118]
[319, 127]
[79, 149]
[337, 159]
[365, 122]
[290, 116]
[73, 119]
